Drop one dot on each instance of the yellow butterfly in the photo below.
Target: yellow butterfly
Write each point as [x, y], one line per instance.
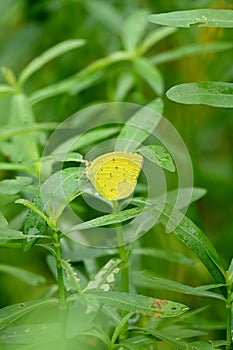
[115, 174]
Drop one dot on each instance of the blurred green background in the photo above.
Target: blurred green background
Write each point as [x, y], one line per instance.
[28, 27]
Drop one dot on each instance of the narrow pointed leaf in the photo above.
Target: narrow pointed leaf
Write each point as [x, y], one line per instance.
[197, 241]
[5, 89]
[155, 36]
[188, 50]
[212, 93]
[49, 55]
[141, 304]
[150, 281]
[202, 17]
[138, 128]
[133, 29]
[23, 275]
[150, 74]
[107, 220]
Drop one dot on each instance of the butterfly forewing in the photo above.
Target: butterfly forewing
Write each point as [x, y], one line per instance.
[115, 174]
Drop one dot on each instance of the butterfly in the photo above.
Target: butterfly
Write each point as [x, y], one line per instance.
[114, 174]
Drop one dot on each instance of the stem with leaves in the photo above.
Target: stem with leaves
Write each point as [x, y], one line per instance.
[58, 256]
[123, 252]
[228, 313]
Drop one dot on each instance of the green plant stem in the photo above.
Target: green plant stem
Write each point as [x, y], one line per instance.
[122, 248]
[61, 286]
[228, 314]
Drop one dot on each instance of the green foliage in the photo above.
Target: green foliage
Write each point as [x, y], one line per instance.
[147, 289]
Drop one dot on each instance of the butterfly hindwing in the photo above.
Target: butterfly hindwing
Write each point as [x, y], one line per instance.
[115, 174]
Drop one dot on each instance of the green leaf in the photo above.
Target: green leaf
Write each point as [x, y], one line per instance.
[22, 114]
[138, 128]
[60, 189]
[188, 50]
[33, 334]
[7, 233]
[153, 37]
[72, 281]
[184, 194]
[123, 85]
[79, 141]
[105, 277]
[34, 224]
[5, 89]
[14, 186]
[7, 132]
[141, 304]
[203, 17]
[72, 85]
[64, 157]
[77, 252]
[148, 72]
[166, 337]
[23, 275]
[217, 94]
[47, 56]
[195, 240]
[159, 155]
[163, 254]
[144, 279]
[3, 221]
[87, 307]
[105, 220]
[201, 345]
[139, 342]
[133, 29]
[230, 271]
[106, 14]
[11, 313]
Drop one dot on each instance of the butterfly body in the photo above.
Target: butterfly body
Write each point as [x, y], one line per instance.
[115, 174]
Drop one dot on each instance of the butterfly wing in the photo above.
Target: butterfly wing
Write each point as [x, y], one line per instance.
[115, 174]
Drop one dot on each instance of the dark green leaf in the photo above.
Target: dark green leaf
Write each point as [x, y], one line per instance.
[212, 93]
[149, 281]
[23, 275]
[163, 254]
[203, 17]
[196, 240]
